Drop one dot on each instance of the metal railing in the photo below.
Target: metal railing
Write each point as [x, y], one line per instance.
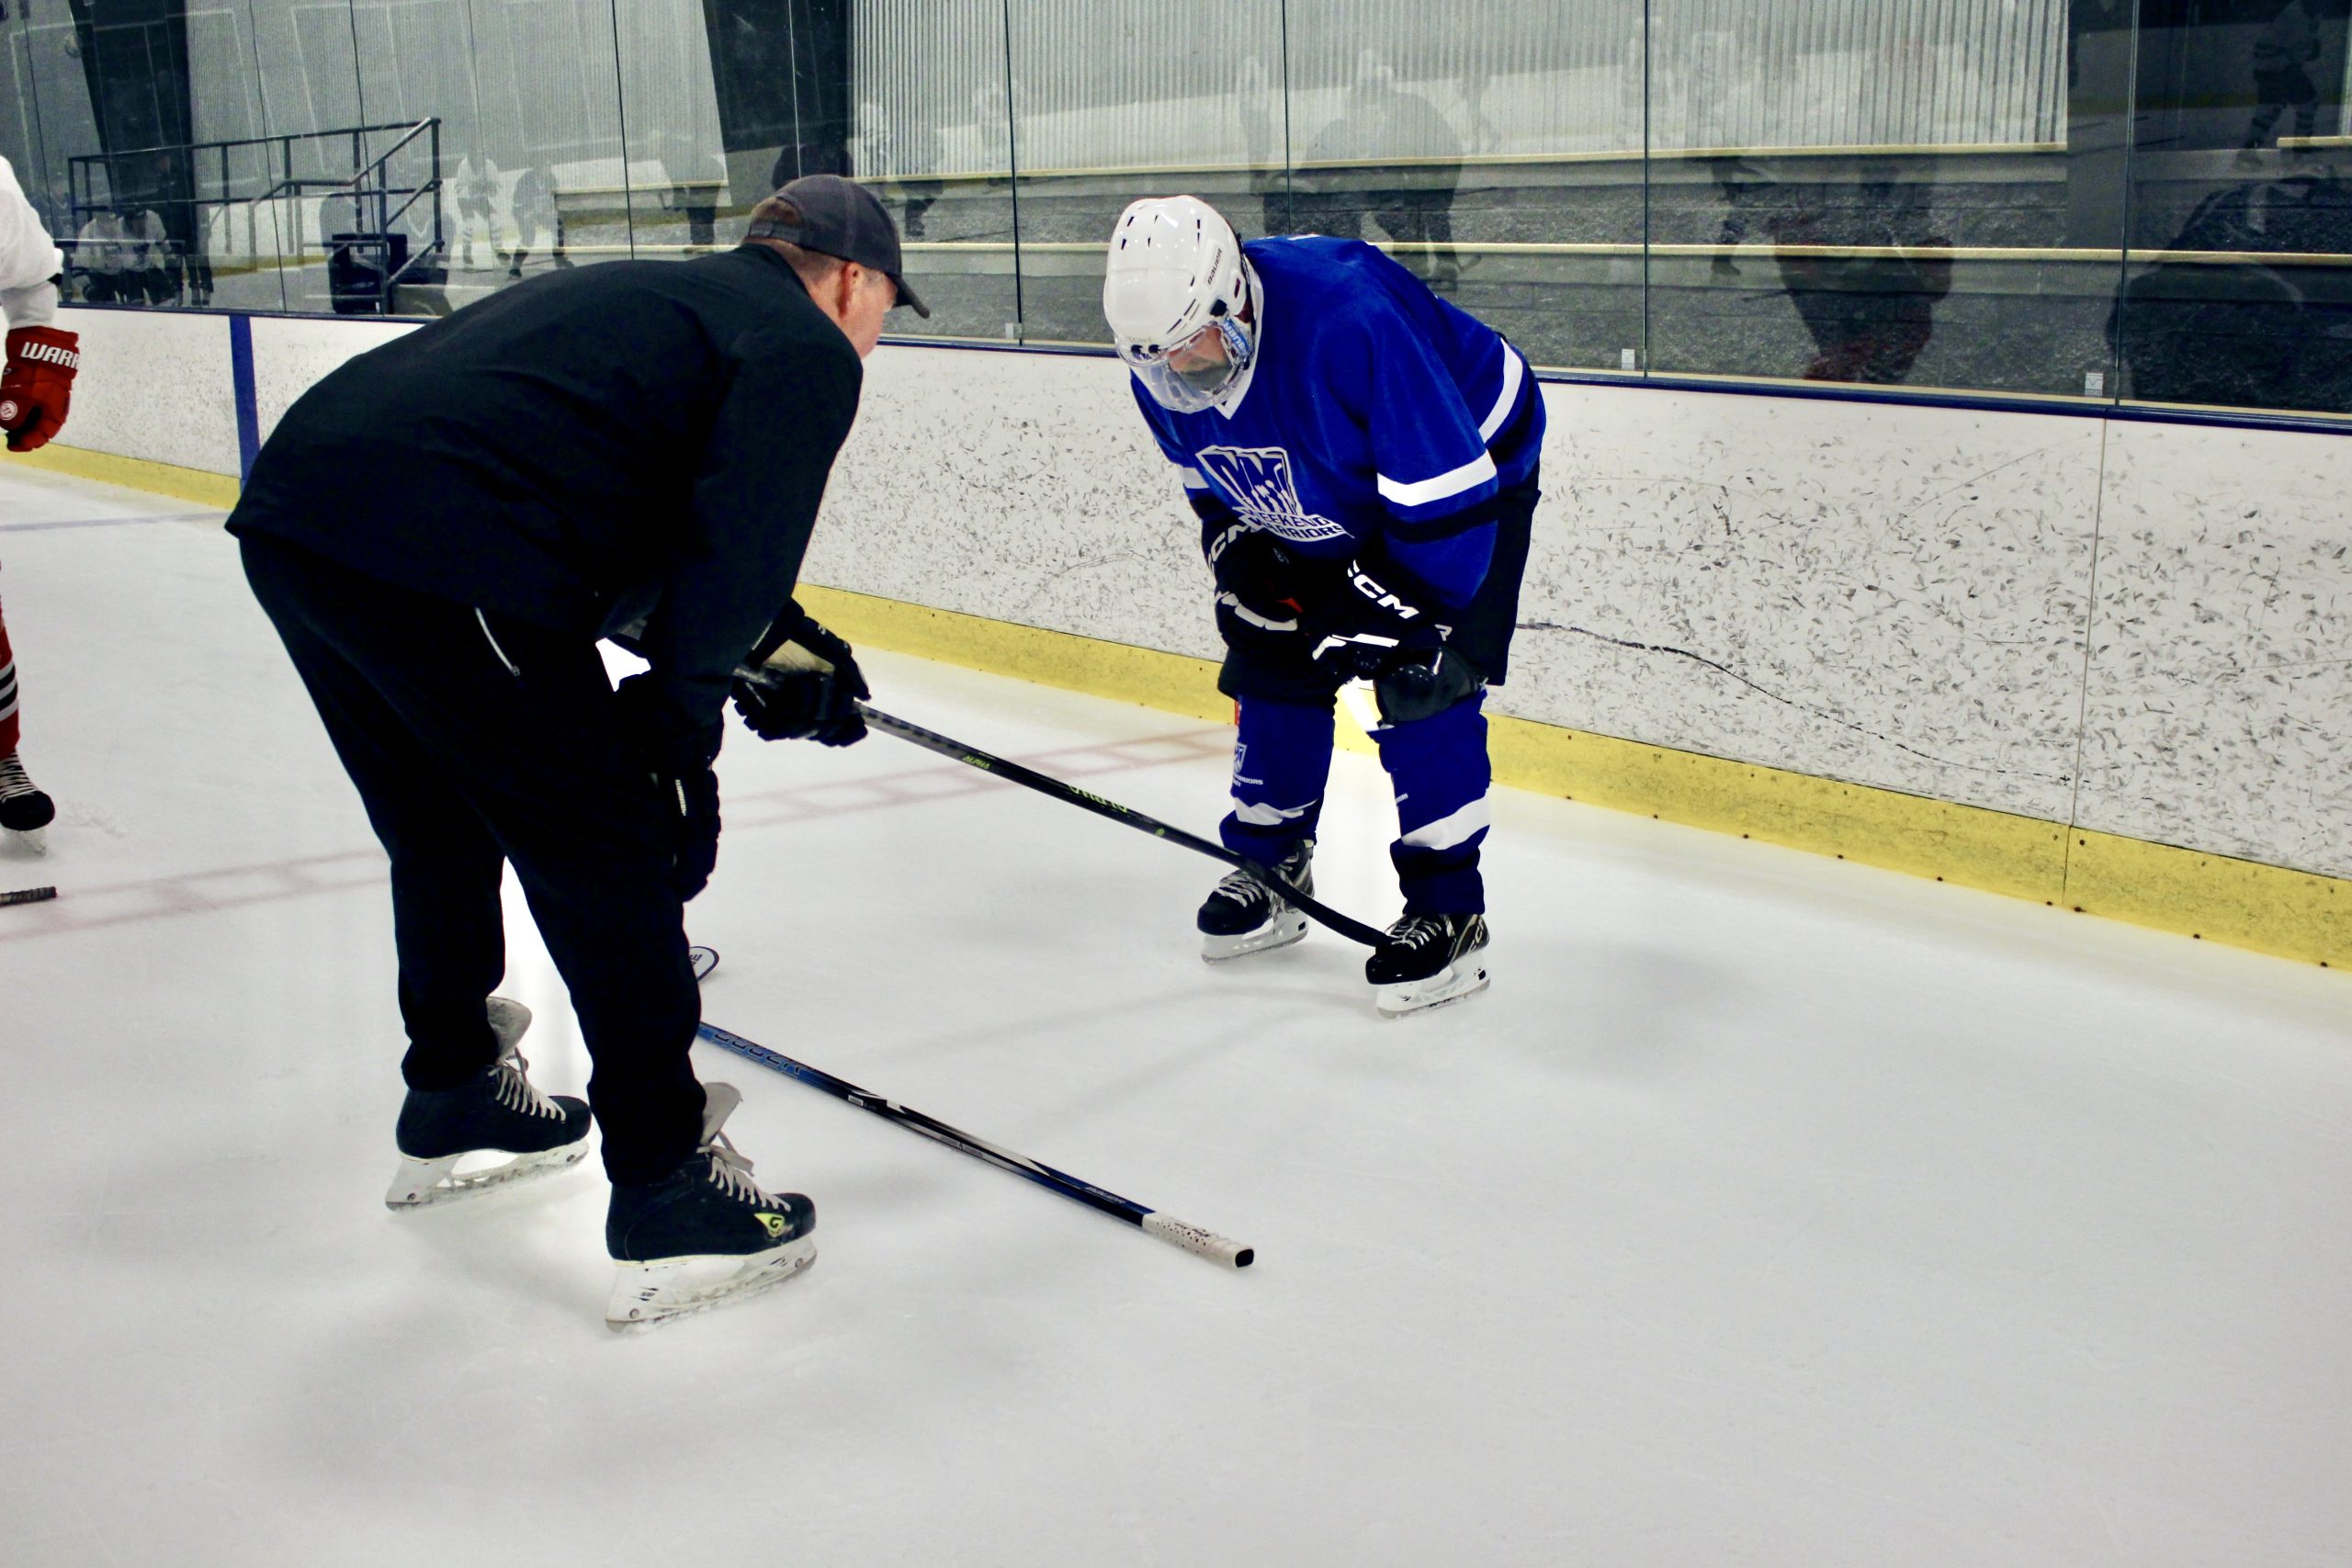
[371, 187]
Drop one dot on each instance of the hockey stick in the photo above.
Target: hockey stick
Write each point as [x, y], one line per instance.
[1003, 768]
[1151, 1221]
[29, 896]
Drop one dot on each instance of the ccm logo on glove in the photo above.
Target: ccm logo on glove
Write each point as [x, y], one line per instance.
[1361, 581]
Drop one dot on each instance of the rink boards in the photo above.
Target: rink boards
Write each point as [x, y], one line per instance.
[2087, 659]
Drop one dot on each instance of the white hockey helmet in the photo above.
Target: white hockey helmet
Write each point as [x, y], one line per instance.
[1175, 274]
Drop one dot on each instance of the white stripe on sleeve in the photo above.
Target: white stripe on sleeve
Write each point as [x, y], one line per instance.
[1512, 371]
[1448, 831]
[1191, 478]
[1420, 492]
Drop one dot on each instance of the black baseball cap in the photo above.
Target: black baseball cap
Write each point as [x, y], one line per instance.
[836, 217]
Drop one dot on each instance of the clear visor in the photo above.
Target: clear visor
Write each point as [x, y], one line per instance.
[1188, 376]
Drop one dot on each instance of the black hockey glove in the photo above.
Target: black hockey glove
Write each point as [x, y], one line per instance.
[676, 753]
[803, 684]
[1375, 624]
[1251, 565]
[1426, 685]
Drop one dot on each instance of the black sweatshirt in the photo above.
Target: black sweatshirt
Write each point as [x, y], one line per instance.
[580, 448]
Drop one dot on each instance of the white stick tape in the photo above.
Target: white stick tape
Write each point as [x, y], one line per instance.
[1193, 1238]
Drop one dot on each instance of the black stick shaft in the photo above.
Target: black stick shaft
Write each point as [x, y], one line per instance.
[29, 896]
[1004, 768]
[1191, 1238]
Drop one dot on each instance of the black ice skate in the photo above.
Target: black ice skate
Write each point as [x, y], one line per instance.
[24, 809]
[1242, 916]
[1427, 962]
[704, 1234]
[494, 1130]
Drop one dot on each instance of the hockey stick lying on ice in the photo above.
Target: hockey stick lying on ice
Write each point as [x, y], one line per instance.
[1151, 1221]
[1003, 768]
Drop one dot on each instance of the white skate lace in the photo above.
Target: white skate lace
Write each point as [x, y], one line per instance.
[13, 781]
[1249, 892]
[1243, 889]
[1416, 931]
[517, 1092]
[730, 1172]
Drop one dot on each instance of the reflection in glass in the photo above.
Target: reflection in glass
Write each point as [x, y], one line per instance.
[2264, 331]
[137, 199]
[2142, 197]
[900, 158]
[929, 135]
[2283, 52]
[1868, 297]
[1849, 191]
[2239, 291]
[1494, 148]
[676, 166]
[1389, 155]
[1116, 99]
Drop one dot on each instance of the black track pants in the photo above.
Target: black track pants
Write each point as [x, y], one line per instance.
[462, 763]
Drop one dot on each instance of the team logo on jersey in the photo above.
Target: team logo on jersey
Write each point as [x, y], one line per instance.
[1258, 479]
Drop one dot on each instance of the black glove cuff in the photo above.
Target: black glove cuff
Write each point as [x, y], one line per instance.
[833, 651]
[790, 623]
[672, 741]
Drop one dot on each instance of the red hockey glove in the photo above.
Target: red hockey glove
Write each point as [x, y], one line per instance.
[38, 385]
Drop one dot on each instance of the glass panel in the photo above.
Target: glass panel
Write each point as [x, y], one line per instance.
[1878, 191]
[227, 166]
[307, 77]
[1493, 147]
[103, 128]
[1116, 99]
[932, 133]
[2093, 197]
[678, 169]
[48, 114]
[2239, 287]
[530, 152]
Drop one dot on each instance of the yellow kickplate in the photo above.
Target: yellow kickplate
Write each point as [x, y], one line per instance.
[1144, 675]
[2021, 856]
[2292, 914]
[203, 488]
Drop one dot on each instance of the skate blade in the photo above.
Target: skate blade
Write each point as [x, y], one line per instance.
[647, 1295]
[1454, 983]
[33, 839]
[1280, 931]
[419, 1183]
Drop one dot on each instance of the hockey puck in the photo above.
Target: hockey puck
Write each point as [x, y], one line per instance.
[29, 896]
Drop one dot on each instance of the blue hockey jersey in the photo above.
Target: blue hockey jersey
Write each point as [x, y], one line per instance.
[1372, 410]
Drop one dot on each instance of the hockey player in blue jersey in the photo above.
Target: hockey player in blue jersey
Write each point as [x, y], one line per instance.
[1362, 459]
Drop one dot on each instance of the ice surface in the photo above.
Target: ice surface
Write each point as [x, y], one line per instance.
[1767, 1210]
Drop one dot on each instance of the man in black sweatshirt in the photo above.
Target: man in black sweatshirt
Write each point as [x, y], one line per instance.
[441, 530]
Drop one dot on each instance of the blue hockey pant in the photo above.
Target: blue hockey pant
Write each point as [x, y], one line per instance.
[1438, 766]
